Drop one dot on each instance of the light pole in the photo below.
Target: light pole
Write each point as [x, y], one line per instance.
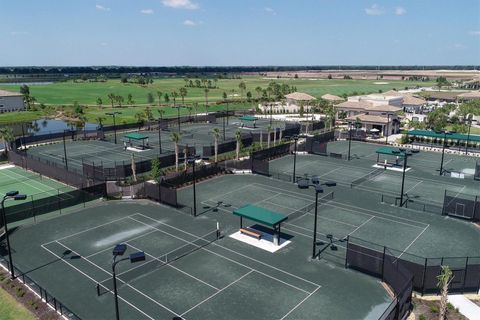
[113, 114]
[315, 183]
[159, 136]
[178, 114]
[295, 138]
[15, 196]
[405, 157]
[224, 125]
[349, 139]
[271, 113]
[119, 250]
[468, 136]
[445, 133]
[65, 151]
[191, 160]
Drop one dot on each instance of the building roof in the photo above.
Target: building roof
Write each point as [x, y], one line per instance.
[470, 95]
[369, 118]
[331, 97]
[393, 93]
[441, 135]
[440, 95]
[135, 136]
[4, 93]
[300, 96]
[383, 107]
[354, 105]
[413, 101]
[261, 215]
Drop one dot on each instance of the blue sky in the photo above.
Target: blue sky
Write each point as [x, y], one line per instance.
[239, 32]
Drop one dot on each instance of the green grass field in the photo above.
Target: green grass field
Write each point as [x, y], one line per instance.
[11, 309]
[66, 93]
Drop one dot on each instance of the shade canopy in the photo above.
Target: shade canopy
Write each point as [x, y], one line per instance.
[248, 118]
[441, 135]
[260, 215]
[135, 136]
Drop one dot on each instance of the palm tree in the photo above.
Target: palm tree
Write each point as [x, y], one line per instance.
[100, 120]
[183, 92]
[6, 135]
[174, 95]
[99, 102]
[195, 106]
[159, 95]
[161, 112]
[175, 139]
[82, 121]
[140, 117]
[206, 99]
[269, 131]
[111, 97]
[238, 138]
[444, 279]
[258, 90]
[134, 168]
[242, 86]
[216, 135]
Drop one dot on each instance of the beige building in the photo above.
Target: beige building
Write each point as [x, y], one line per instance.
[11, 101]
[293, 102]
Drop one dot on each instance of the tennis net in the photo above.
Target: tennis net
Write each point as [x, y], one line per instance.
[301, 212]
[366, 177]
[154, 264]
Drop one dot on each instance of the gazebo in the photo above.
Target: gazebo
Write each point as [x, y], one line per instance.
[137, 137]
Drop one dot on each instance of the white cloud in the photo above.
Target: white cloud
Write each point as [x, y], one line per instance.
[103, 44]
[375, 10]
[474, 33]
[400, 11]
[180, 4]
[18, 33]
[102, 8]
[459, 46]
[191, 23]
[146, 11]
[270, 11]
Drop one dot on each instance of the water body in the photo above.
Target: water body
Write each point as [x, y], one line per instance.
[39, 83]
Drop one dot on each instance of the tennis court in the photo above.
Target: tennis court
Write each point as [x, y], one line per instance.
[426, 162]
[418, 185]
[33, 185]
[188, 273]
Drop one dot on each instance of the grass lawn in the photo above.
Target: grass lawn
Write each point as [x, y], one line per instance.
[10, 309]
[66, 93]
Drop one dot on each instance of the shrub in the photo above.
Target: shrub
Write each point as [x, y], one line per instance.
[422, 317]
[20, 292]
[450, 306]
[434, 308]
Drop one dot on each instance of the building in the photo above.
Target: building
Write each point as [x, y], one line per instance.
[410, 103]
[332, 98]
[11, 101]
[293, 102]
[375, 112]
[472, 95]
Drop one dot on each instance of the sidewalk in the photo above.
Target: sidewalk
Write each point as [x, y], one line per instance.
[465, 306]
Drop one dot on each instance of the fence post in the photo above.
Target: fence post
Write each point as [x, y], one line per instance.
[33, 210]
[424, 275]
[346, 255]
[465, 275]
[58, 200]
[444, 200]
[383, 263]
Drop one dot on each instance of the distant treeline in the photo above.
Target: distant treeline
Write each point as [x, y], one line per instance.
[188, 70]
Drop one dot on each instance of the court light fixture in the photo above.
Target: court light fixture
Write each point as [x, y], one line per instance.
[119, 249]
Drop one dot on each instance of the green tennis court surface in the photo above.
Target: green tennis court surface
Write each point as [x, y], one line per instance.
[218, 279]
[26, 182]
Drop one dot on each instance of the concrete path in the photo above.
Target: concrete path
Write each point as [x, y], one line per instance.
[465, 306]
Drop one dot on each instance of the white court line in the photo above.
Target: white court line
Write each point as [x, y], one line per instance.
[49, 190]
[213, 295]
[240, 254]
[125, 283]
[179, 270]
[413, 242]
[414, 186]
[364, 223]
[89, 229]
[355, 209]
[223, 194]
[271, 197]
[217, 254]
[306, 298]
[90, 278]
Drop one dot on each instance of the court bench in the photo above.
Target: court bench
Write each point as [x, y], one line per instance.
[251, 233]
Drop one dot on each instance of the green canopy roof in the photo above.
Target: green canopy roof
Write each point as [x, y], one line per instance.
[452, 136]
[391, 151]
[248, 118]
[135, 136]
[260, 215]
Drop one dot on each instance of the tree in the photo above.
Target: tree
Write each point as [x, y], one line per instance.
[99, 102]
[149, 116]
[100, 120]
[140, 117]
[242, 86]
[175, 139]
[150, 98]
[161, 112]
[259, 91]
[437, 119]
[444, 279]
[442, 82]
[25, 90]
[183, 92]
[269, 134]
[156, 172]
[174, 95]
[238, 138]
[216, 135]
[111, 97]
[6, 136]
[166, 98]
[206, 90]
[119, 100]
[159, 95]
[134, 168]
[130, 99]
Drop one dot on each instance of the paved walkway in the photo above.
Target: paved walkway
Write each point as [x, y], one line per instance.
[465, 306]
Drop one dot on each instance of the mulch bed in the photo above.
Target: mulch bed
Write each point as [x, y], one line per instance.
[27, 298]
[428, 310]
